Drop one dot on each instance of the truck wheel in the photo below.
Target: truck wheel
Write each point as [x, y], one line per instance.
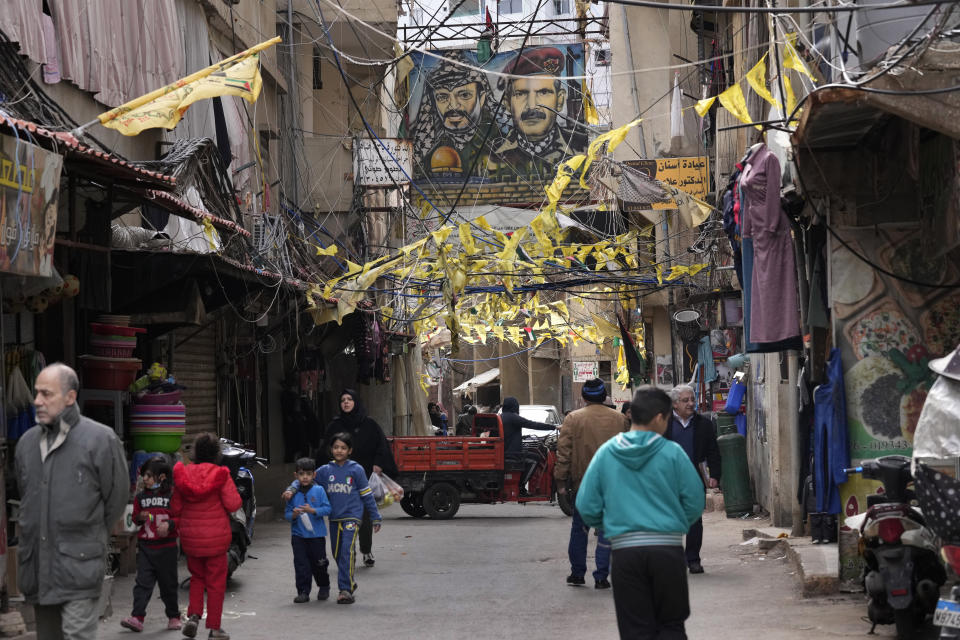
[441, 501]
[412, 505]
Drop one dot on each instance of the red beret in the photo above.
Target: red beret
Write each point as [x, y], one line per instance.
[542, 60]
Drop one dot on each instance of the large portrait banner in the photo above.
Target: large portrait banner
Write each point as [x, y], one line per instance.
[470, 124]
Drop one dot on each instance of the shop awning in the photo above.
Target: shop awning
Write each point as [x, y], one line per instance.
[479, 380]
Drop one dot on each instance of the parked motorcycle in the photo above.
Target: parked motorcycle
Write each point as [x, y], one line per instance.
[903, 573]
[236, 458]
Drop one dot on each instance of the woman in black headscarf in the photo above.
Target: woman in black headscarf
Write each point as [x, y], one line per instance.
[370, 450]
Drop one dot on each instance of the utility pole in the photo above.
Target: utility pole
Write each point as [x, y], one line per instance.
[293, 104]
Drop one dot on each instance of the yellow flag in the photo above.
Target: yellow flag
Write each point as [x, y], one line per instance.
[791, 98]
[213, 238]
[734, 101]
[328, 251]
[165, 107]
[466, 239]
[792, 61]
[757, 77]
[612, 139]
[704, 105]
[589, 108]
[564, 173]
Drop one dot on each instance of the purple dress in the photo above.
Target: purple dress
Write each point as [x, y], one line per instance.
[774, 307]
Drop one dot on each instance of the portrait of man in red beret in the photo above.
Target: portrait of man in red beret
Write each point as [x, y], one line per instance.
[536, 142]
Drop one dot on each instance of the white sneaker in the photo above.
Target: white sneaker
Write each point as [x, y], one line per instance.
[368, 559]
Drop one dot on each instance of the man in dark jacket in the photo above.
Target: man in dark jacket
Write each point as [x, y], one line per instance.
[73, 488]
[513, 426]
[698, 437]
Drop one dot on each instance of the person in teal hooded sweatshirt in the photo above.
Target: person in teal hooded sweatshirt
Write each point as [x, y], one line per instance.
[641, 490]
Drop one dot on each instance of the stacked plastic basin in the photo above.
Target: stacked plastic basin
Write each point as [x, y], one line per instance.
[111, 364]
[158, 427]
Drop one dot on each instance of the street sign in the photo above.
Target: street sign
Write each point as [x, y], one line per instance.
[583, 371]
[381, 165]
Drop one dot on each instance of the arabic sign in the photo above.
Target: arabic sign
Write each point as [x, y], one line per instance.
[691, 174]
[381, 166]
[583, 371]
[29, 192]
[469, 125]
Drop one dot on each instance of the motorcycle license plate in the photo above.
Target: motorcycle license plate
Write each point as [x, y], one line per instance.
[947, 614]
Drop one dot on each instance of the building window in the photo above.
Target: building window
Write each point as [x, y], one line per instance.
[467, 8]
[602, 57]
[511, 6]
[561, 7]
[317, 70]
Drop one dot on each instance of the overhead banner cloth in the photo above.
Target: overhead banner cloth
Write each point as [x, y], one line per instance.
[238, 75]
[29, 192]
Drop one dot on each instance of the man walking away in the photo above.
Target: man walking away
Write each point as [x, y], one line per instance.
[641, 490]
[73, 487]
[582, 433]
[696, 434]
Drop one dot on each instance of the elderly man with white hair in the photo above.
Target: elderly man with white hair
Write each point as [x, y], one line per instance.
[698, 437]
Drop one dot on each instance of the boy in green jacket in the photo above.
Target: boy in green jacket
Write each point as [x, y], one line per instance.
[644, 493]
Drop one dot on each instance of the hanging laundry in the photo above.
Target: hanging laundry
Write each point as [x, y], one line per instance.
[774, 314]
[831, 453]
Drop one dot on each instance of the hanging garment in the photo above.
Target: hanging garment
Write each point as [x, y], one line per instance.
[774, 314]
[796, 342]
[939, 497]
[705, 358]
[831, 453]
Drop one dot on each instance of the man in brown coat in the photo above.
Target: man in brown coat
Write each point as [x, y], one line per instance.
[582, 433]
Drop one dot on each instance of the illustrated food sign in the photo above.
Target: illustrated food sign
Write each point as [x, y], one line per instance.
[474, 126]
[887, 331]
[376, 165]
[583, 371]
[690, 174]
[29, 192]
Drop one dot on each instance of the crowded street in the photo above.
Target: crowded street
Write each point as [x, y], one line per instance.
[497, 571]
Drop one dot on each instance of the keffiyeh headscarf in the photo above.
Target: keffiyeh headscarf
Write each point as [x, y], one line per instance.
[446, 75]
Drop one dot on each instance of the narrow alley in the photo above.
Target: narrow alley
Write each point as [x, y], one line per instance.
[497, 571]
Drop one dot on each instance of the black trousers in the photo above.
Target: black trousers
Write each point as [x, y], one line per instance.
[650, 592]
[310, 563]
[694, 541]
[156, 566]
[366, 533]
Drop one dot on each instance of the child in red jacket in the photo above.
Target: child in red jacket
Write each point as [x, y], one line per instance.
[204, 496]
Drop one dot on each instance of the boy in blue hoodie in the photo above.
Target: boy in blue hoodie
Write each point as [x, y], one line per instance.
[348, 492]
[642, 491]
[305, 511]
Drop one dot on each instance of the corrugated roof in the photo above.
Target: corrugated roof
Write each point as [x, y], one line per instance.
[182, 206]
[67, 144]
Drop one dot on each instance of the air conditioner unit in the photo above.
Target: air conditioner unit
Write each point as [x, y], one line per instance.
[266, 233]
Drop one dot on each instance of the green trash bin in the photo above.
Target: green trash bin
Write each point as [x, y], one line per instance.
[735, 476]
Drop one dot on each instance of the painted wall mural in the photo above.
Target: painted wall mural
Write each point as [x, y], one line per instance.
[471, 126]
[888, 330]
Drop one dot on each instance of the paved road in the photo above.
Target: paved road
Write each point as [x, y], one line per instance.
[497, 571]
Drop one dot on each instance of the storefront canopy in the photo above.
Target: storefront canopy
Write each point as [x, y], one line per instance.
[479, 380]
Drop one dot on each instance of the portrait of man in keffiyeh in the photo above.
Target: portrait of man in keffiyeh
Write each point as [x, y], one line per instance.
[453, 118]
